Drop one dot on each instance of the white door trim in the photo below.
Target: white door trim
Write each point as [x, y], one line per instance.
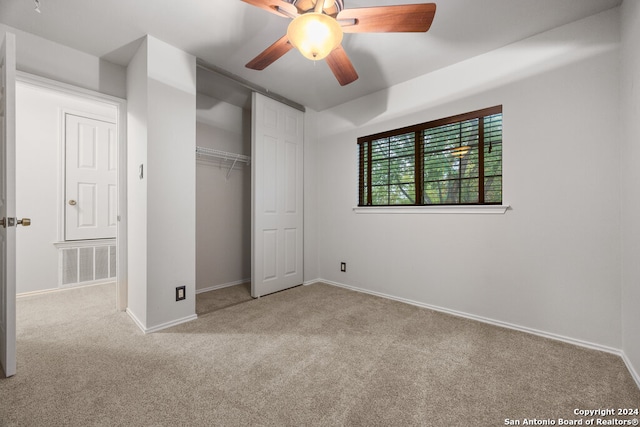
[121, 105]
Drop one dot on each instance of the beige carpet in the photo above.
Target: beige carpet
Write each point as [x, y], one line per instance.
[314, 355]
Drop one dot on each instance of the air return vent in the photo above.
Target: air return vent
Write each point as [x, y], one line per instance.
[87, 264]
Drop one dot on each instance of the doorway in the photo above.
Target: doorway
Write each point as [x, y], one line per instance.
[64, 134]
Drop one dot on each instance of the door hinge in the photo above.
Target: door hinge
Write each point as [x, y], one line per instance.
[8, 222]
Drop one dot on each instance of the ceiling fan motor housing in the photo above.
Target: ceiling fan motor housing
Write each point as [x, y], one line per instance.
[307, 4]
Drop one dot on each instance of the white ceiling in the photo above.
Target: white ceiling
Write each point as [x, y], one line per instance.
[229, 33]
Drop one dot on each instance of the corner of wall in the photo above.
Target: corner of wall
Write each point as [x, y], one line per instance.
[630, 202]
[136, 188]
[161, 184]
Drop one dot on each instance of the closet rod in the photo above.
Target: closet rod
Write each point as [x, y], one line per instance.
[247, 84]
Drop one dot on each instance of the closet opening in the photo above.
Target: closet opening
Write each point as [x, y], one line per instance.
[223, 192]
[249, 190]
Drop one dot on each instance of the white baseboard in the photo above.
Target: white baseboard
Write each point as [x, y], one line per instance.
[63, 288]
[161, 326]
[171, 323]
[135, 319]
[632, 371]
[224, 285]
[482, 319]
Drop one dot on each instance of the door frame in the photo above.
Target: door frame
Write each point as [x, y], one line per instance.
[8, 261]
[121, 106]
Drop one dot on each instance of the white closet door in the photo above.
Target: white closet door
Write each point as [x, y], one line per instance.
[8, 206]
[277, 174]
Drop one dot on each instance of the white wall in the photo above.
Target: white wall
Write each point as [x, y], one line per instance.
[137, 136]
[223, 205]
[39, 179]
[45, 58]
[161, 90]
[552, 262]
[630, 155]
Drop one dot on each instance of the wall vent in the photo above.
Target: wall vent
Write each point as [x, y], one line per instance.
[87, 264]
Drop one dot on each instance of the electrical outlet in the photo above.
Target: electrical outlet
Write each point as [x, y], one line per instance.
[181, 293]
[343, 267]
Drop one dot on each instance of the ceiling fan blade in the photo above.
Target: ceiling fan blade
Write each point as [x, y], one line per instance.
[279, 7]
[341, 66]
[406, 18]
[270, 54]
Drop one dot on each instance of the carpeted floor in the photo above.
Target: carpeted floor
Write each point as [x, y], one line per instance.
[208, 302]
[313, 355]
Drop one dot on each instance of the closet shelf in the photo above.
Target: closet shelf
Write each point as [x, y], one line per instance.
[222, 155]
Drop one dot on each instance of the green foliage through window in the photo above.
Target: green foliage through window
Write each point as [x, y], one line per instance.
[452, 161]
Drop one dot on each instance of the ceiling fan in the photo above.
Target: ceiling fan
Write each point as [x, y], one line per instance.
[318, 25]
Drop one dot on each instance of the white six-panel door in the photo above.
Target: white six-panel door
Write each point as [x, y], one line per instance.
[91, 177]
[7, 206]
[277, 183]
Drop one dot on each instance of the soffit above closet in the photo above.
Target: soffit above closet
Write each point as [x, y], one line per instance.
[223, 89]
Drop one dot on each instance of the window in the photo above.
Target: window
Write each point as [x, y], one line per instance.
[452, 161]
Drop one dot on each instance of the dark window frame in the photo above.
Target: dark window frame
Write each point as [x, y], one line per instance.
[365, 160]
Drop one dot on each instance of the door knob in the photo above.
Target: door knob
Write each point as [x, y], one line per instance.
[25, 222]
[72, 202]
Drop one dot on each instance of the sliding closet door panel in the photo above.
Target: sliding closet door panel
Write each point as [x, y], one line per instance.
[277, 221]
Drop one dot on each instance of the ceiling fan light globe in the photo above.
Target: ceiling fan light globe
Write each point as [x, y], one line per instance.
[315, 35]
